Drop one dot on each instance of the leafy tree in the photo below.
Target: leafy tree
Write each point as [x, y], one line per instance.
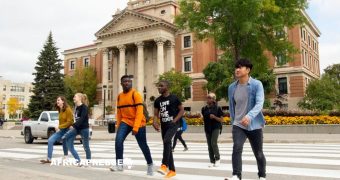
[242, 28]
[13, 105]
[2, 113]
[48, 82]
[178, 82]
[26, 113]
[83, 81]
[323, 94]
[220, 74]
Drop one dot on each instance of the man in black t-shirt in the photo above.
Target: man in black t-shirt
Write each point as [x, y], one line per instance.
[169, 109]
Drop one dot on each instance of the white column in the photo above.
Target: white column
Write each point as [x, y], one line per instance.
[160, 55]
[171, 55]
[105, 80]
[121, 66]
[140, 65]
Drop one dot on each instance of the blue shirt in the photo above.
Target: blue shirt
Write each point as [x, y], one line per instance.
[255, 103]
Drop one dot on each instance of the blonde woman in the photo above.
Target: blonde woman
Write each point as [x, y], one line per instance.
[80, 126]
[65, 121]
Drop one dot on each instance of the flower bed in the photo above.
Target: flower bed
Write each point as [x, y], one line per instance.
[278, 120]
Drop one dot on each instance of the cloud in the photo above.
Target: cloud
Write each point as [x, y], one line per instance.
[25, 26]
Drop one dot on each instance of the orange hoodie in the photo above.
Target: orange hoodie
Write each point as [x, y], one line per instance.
[130, 110]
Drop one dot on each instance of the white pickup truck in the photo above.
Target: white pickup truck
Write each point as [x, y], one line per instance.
[43, 128]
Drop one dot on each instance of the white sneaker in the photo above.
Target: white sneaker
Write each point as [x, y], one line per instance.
[116, 168]
[211, 165]
[234, 178]
[217, 163]
[262, 178]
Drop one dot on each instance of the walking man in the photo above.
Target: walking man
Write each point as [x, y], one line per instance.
[130, 117]
[246, 97]
[169, 109]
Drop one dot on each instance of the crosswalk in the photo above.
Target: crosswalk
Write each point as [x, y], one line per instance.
[320, 161]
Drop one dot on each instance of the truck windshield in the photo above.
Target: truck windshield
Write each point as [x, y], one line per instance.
[54, 116]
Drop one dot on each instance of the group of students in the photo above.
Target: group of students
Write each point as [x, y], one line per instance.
[246, 97]
[70, 125]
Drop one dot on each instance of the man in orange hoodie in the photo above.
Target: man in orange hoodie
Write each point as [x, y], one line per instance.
[130, 117]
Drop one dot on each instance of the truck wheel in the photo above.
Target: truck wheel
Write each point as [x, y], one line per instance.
[28, 136]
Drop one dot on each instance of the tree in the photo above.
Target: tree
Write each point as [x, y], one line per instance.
[178, 82]
[323, 94]
[83, 81]
[220, 75]
[2, 113]
[48, 82]
[13, 105]
[242, 29]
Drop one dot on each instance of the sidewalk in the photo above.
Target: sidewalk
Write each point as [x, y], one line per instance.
[103, 135]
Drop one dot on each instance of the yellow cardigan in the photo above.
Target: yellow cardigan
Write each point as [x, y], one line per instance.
[65, 118]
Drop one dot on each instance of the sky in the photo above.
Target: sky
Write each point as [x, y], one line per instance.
[25, 25]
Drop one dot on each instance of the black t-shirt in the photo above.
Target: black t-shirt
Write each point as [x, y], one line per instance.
[82, 117]
[168, 109]
[211, 124]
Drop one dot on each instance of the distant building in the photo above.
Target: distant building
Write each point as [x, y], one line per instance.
[143, 41]
[21, 91]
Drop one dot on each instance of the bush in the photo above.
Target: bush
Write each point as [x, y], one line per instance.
[289, 113]
[334, 113]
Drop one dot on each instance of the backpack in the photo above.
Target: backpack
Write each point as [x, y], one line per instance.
[145, 109]
[184, 124]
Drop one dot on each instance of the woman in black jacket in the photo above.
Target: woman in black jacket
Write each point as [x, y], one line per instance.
[213, 118]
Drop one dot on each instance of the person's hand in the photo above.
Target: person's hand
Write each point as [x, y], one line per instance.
[245, 121]
[212, 116]
[71, 127]
[156, 126]
[57, 129]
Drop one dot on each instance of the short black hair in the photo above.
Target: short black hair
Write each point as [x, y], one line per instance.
[244, 63]
[166, 82]
[124, 76]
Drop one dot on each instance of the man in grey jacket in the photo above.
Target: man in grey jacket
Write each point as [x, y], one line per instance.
[246, 97]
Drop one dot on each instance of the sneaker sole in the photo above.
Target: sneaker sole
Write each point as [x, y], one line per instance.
[161, 172]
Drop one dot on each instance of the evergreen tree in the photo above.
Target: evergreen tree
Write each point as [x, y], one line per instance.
[48, 82]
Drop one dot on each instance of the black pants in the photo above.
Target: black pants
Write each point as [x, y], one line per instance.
[255, 138]
[168, 133]
[179, 136]
[214, 153]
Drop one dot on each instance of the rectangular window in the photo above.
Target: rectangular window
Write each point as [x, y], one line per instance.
[305, 60]
[86, 62]
[283, 88]
[4, 89]
[72, 65]
[4, 97]
[309, 41]
[281, 59]
[109, 74]
[187, 92]
[17, 89]
[187, 64]
[187, 41]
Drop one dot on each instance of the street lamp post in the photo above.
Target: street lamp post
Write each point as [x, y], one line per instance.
[104, 89]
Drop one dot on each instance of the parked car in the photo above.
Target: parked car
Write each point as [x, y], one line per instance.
[42, 128]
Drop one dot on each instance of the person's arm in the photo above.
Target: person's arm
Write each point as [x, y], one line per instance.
[259, 100]
[118, 115]
[139, 112]
[219, 115]
[82, 119]
[155, 123]
[231, 105]
[180, 113]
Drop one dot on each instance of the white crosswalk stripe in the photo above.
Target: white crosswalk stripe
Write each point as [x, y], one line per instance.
[309, 160]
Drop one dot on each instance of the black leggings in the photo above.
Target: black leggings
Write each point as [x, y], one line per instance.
[178, 136]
